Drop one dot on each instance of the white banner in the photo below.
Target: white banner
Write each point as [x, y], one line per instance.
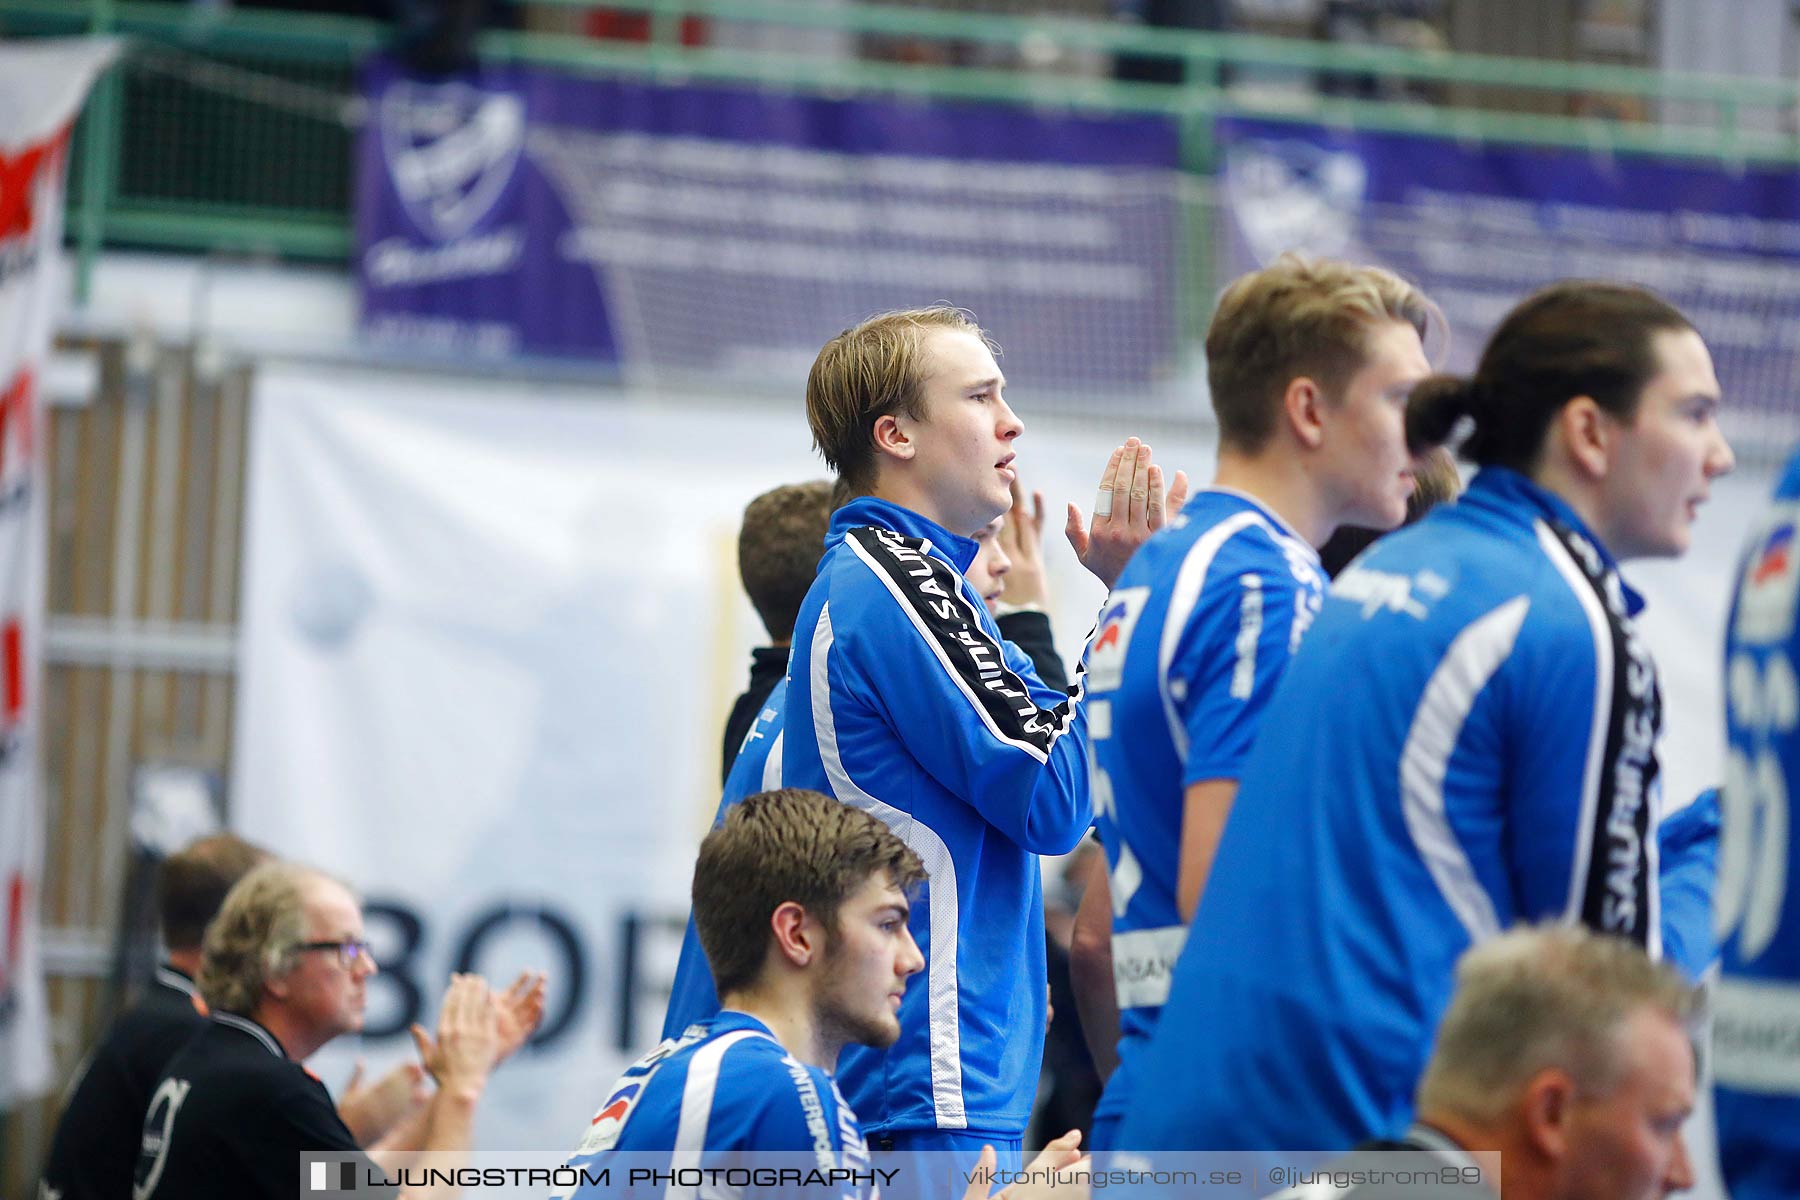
[488, 643]
[42, 85]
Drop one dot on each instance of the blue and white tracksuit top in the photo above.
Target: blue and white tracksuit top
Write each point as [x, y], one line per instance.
[904, 700]
[1756, 1010]
[1466, 739]
[725, 1093]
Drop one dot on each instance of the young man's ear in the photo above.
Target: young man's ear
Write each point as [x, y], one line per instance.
[798, 937]
[1586, 432]
[1302, 406]
[893, 437]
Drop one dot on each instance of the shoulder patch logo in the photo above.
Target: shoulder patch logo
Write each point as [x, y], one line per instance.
[1112, 638]
[603, 1131]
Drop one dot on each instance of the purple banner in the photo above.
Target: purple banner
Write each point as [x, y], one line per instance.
[1478, 226]
[720, 230]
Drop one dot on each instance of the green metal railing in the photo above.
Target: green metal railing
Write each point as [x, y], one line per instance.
[274, 95]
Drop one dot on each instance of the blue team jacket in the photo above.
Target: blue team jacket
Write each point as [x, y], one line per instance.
[1756, 1028]
[757, 768]
[904, 700]
[1466, 739]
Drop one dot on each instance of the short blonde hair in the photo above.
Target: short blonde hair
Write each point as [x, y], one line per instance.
[252, 940]
[1541, 997]
[1298, 317]
[870, 371]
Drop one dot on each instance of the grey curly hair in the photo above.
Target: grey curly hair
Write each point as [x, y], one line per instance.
[252, 939]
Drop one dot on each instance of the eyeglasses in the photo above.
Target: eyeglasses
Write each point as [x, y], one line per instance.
[350, 951]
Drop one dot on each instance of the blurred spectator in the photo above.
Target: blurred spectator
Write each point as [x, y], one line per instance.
[1435, 482]
[1392, 24]
[96, 1141]
[284, 970]
[432, 37]
[1071, 1085]
[1212, 16]
[779, 547]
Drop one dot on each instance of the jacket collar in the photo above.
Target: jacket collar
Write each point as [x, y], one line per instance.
[253, 1028]
[1274, 518]
[1509, 493]
[868, 510]
[176, 980]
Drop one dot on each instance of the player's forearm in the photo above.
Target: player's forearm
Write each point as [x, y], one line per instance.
[1091, 972]
[1041, 800]
[1204, 812]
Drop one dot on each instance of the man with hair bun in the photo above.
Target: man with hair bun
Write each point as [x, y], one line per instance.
[284, 969]
[1563, 1070]
[1465, 740]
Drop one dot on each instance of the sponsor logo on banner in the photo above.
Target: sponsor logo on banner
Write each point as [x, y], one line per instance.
[451, 149]
[1293, 195]
[1112, 638]
[18, 179]
[1770, 584]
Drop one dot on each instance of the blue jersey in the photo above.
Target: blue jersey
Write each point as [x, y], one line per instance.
[1465, 740]
[757, 768]
[723, 1089]
[1189, 646]
[1756, 1031]
[903, 700]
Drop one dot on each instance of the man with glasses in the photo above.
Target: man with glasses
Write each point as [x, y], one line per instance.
[284, 969]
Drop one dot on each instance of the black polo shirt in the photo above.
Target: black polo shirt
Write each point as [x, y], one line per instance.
[231, 1116]
[95, 1147]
